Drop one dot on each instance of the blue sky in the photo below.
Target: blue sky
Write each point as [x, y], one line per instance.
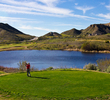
[38, 17]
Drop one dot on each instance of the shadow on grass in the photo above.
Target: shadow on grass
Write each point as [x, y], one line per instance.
[39, 77]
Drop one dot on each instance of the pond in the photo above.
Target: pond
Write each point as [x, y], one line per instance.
[42, 59]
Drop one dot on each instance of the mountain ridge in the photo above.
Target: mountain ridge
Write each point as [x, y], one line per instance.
[96, 29]
[92, 30]
[72, 32]
[9, 34]
[52, 34]
[9, 28]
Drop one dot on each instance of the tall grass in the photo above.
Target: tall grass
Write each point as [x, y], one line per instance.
[103, 64]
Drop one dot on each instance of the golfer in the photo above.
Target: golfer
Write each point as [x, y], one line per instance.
[28, 69]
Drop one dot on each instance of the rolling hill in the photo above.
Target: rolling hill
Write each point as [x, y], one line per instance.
[96, 29]
[9, 33]
[92, 30]
[72, 32]
[52, 34]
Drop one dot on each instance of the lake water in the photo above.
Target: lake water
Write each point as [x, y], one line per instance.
[41, 59]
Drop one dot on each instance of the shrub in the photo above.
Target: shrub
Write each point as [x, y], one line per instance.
[22, 66]
[89, 46]
[107, 41]
[8, 70]
[108, 69]
[103, 64]
[90, 67]
[97, 46]
[50, 68]
[2, 68]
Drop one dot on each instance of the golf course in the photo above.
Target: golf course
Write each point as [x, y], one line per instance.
[58, 84]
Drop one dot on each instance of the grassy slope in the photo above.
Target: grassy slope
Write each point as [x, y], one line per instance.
[61, 44]
[20, 46]
[56, 84]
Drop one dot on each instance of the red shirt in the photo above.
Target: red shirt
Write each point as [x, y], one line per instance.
[28, 66]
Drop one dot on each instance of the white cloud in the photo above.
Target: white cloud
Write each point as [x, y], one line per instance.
[10, 19]
[63, 24]
[107, 16]
[27, 7]
[102, 3]
[17, 20]
[35, 8]
[76, 4]
[84, 8]
[108, 7]
[49, 2]
[37, 28]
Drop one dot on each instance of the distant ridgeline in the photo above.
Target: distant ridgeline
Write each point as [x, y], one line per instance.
[49, 36]
[92, 30]
[9, 34]
[52, 34]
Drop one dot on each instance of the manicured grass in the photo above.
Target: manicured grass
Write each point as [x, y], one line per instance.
[59, 85]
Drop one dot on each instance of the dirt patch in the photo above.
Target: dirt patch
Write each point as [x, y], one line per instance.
[4, 74]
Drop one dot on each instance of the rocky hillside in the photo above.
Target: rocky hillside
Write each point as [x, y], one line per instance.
[9, 33]
[52, 34]
[96, 29]
[92, 30]
[72, 32]
[108, 24]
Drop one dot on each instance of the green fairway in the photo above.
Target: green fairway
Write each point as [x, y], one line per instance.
[58, 85]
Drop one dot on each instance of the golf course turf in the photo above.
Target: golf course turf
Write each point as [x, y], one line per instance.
[56, 85]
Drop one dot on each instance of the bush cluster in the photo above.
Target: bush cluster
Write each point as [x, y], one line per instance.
[97, 46]
[49, 68]
[108, 69]
[8, 70]
[102, 65]
[90, 67]
[22, 66]
[106, 41]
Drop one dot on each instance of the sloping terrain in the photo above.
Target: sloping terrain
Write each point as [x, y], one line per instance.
[8, 33]
[52, 34]
[72, 32]
[92, 30]
[96, 29]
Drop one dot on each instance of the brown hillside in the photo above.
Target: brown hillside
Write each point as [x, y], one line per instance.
[9, 33]
[96, 29]
[52, 34]
[72, 32]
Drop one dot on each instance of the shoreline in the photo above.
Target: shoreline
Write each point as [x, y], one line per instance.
[83, 51]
